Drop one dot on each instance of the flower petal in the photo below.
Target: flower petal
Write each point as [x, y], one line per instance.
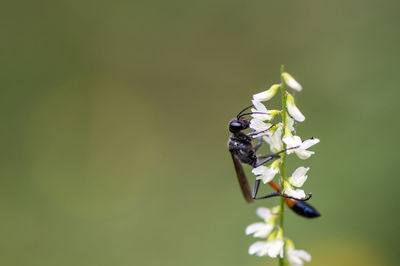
[299, 176]
[274, 248]
[260, 108]
[268, 176]
[264, 213]
[274, 140]
[303, 154]
[298, 193]
[291, 82]
[296, 257]
[290, 123]
[264, 231]
[303, 255]
[268, 94]
[299, 181]
[300, 171]
[292, 141]
[309, 142]
[293, 110]
[252, 228]
[259, 170]
[259, 125]
[259, 248]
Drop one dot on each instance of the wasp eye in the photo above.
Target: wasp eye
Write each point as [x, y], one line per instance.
[235, 126]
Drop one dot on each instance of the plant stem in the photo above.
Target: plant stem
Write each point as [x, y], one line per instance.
[282, 170]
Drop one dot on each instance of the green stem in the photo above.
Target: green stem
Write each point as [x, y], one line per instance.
[282, 170]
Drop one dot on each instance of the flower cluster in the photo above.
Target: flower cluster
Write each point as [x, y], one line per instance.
[279, 136]
[275, 244]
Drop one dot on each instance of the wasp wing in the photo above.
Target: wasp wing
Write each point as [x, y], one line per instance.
[244, 185]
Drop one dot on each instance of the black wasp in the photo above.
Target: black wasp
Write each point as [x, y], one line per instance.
[243, 151]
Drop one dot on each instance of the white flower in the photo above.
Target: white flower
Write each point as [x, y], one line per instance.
[296, 257]
[275, 140]
[299, 176]
[264, 213]
[258, 126]
[289, 123]
[296, 180]
[268, 94]
[292, 108]
[266, 174]
[260, 108]
[259, 248]
[271, 248]
[290, 191]
[275, 248]
[262, 113]
[291, 82]
[301, 151]
[260, 229]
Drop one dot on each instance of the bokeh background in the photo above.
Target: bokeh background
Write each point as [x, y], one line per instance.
[114, 128]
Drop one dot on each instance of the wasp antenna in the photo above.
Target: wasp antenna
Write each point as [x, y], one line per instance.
[262, 131]
[239, 114]
[253, 113]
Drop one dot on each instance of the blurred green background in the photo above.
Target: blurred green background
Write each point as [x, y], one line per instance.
[114, 128]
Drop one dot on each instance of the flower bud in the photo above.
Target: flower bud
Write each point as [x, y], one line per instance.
[291, 82]
[268, 94]
[299, 176]
[292, 108]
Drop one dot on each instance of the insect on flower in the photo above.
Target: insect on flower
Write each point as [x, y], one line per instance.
[243, 152]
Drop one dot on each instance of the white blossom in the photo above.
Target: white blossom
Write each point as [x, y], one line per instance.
[265, 213]
[268, 94]
[290, 123]
[259, 248]
[275, 248]
[301, 151]
[260, 229]
[297, 257]
[296, 180]
[299, 176]
[266, 174]
[261, 112]
[295, 193]
[292, 109]
[291, 82]
[271, 248]
[275, 140]
[258, 126]
[278, 137]
[260, 108]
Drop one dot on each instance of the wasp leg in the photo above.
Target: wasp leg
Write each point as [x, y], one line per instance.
[269, 157]
[305, 199]
[275, 194]
[255, 190]
[259, 142]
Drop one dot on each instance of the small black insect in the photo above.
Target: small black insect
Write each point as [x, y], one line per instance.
[242, 151]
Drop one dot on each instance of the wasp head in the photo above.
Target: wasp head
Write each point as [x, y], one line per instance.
[238, 124]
